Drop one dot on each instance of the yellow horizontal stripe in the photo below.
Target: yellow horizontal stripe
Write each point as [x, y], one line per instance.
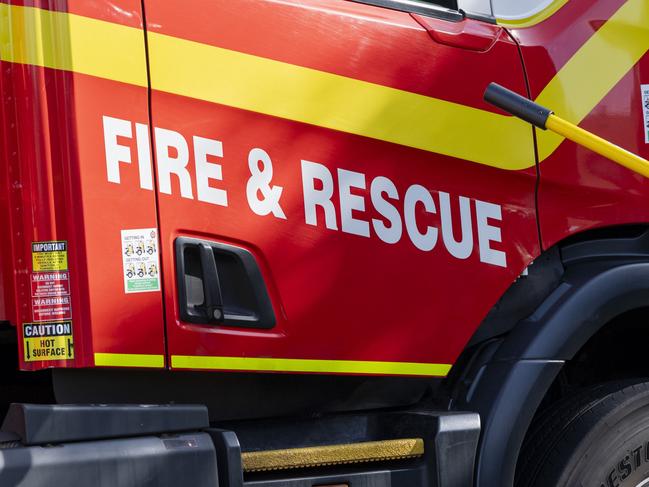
[129, 360]
[319, 456]
[349, 105]
[537, 18]
[595, 69]
[307, 365]
[72, 43]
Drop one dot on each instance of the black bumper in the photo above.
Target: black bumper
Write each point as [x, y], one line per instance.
[175, 445]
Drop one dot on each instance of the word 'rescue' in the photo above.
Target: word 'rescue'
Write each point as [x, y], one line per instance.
[319, 184]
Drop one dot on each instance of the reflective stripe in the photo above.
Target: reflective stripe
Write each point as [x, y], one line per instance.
[72, 43]
[129, 360]
[595, 69]
[306, 365]
[336, 102]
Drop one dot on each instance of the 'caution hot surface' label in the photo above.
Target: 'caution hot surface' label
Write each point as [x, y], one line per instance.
[50, 256]
[48, 341]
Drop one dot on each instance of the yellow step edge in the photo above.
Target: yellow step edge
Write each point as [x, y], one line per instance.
[318, 456]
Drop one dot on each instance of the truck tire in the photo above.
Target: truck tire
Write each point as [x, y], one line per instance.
[598, 437]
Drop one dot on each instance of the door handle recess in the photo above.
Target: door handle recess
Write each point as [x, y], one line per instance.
[220, 284]
[213, 302]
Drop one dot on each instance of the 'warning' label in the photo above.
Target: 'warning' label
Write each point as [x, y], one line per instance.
[50, 284]
[52, 308]
[50, 256]
[48, 341]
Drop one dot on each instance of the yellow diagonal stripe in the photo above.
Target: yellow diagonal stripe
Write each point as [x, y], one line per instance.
[72, 43]
[129, 360]
[306, 365]
[595, 69]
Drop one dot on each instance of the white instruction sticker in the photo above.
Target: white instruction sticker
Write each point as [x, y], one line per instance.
[644, 90]
[140, 260]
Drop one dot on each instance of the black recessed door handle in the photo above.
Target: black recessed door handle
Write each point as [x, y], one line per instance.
[213, 304]
[220, 284]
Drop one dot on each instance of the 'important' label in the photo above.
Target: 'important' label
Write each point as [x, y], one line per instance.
[48, 341]
[50, 256]
[644, 90]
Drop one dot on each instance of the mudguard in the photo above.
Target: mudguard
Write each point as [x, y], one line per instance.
[603, 279]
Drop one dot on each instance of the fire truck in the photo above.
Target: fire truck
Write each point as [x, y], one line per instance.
[295, 243]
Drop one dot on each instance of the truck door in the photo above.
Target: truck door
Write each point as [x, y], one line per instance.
[333, 195]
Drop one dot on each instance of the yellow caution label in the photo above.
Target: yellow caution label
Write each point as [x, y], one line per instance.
[48, 341]
[50, 256]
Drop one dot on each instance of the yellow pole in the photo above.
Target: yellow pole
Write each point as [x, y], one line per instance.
[598, 145]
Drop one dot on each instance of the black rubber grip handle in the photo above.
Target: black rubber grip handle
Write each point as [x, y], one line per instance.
[517, 105]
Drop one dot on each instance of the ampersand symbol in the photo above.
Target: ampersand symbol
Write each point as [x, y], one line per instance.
[259, 183]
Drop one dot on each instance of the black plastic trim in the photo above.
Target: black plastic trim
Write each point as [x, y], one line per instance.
[589, 297]
[263, 316]
[182, 460]
[228, 454]
[212, 457]
[517, 105]
[508, 389]
[40, 424]
[231, 396]
[506, 395]
[629, 242]
[417, 7]
[481, 17]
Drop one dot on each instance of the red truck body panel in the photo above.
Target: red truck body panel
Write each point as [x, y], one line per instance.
[580, 190]
[57, 190]
[431, 214]
[338, 296]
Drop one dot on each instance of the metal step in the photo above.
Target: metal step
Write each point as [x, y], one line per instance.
[389, 449]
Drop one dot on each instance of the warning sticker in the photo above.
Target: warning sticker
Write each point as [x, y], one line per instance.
[52, 308]
[48, 341]
[140, 260]
[50, 284]
[50, 256]
[644, 90]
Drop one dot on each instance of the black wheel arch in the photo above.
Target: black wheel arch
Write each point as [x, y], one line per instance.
[588, 280]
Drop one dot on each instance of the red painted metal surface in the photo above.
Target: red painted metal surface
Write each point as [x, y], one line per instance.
[467, 34]
[336, 295]
[580, 190]
[54, 187]
[123, 12]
